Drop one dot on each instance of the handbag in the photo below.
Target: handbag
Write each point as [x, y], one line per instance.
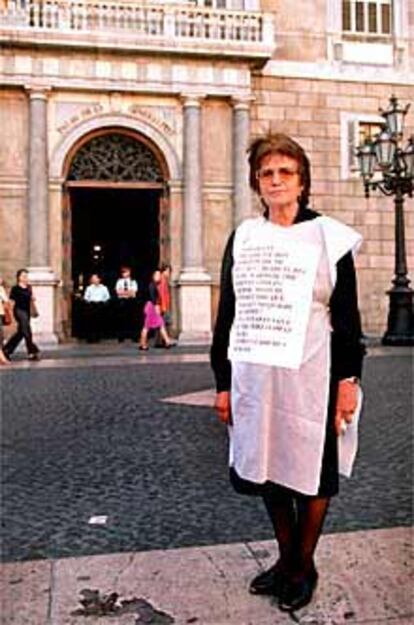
[7, 315]
[33, 309]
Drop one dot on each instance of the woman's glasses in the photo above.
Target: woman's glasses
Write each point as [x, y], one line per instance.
[285, 174]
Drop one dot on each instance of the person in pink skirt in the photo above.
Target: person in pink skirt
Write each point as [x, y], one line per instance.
[152, 315]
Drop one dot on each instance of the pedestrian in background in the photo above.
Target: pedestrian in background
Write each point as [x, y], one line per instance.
[165, 294]
[24, 306]
[126, 291]
[96, 298]
[4, 302]
[285, 414]
[165, 300]
[153, 319]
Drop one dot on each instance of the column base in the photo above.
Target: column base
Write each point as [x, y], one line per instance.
[44, 283]
[195, 307]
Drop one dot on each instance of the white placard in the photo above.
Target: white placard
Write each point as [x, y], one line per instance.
[273, 282]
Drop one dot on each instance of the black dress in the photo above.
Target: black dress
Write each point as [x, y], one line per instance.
[347, 351]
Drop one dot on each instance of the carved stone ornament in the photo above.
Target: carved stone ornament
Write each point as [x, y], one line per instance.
[115, 157]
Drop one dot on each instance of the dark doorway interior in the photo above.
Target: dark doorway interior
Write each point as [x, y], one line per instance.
[112, 227]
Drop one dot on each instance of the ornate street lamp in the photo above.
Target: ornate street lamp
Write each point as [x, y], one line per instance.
[386, 166]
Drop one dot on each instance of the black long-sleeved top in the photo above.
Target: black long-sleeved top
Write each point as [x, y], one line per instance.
[347, 350]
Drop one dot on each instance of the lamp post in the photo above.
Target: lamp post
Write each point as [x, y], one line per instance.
[385, 165]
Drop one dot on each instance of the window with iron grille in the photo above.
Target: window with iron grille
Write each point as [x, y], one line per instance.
[367, 17]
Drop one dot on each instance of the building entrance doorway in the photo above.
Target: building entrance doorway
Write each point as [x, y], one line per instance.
[115, 214]
[111, 228]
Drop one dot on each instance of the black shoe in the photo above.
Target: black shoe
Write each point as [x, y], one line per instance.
[296, 594]
[35, 356]
[268, 582]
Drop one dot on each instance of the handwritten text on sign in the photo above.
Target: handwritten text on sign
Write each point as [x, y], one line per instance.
[273, 283]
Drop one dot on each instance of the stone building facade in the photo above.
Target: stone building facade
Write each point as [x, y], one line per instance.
[124, 128]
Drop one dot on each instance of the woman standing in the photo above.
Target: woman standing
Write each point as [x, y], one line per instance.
[21, 295]
[287, 358]
[3, 302]
[153, 319]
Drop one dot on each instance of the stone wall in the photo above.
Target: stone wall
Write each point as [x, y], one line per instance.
[13, 182]
[300, 29]
[310, 111]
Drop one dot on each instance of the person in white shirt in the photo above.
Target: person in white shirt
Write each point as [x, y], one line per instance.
[126, 291]
[95, 291]
[96, 297]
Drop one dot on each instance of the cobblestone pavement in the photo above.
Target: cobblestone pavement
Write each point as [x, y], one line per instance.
[85, 440]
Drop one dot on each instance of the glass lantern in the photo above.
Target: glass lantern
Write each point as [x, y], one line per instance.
[394, 117]
[384, 147]
[366, 158]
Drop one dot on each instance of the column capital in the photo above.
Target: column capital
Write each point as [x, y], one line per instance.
[193, 100]
[37, 92]
[242, 103]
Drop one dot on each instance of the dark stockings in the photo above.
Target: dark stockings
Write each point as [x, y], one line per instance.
[297, 523]
[282, 513]
[311, 515]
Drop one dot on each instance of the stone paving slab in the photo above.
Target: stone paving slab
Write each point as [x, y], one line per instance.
[365, 578]
[25, 592]
[105, 361]
[200, 398]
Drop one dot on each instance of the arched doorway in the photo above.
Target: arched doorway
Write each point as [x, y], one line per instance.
[115, 213]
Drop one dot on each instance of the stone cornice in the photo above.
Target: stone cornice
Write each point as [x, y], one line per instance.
[338, 72]
[167, 88]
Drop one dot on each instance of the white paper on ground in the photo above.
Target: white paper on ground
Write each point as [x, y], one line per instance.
[348, 442]
[99, 519]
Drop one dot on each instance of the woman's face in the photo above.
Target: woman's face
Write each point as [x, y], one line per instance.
[24, 278]
[279, 181]
[156, 276]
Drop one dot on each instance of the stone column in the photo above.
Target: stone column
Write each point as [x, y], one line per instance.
[242, 205]
[194, 281]
[41, 274]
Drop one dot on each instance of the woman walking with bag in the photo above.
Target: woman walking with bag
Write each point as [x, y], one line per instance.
[21, 295]
[152, 315]
[4, 318]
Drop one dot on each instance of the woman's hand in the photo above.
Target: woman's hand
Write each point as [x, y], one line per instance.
[222, 406]
[346, 404]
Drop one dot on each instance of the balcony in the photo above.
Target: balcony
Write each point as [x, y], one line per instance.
[138, 26]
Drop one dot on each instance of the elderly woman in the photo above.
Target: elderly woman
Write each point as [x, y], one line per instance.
[287, 357]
